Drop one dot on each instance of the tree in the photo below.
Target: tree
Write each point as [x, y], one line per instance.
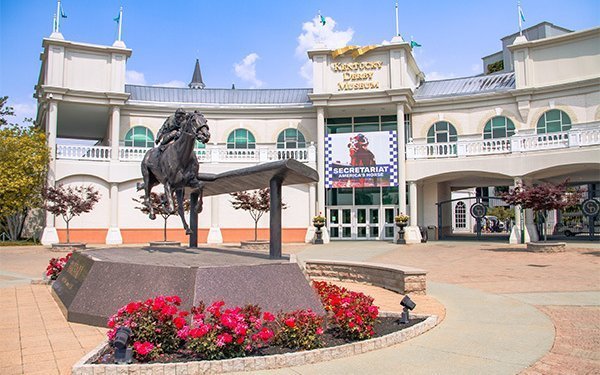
[256, 203]
[24, 159]
[70, 201]
[542, 198]
[158, 202]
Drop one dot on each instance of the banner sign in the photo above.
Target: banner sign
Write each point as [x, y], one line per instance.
[361, 160]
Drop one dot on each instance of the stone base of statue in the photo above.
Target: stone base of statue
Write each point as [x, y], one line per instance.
[96, 283]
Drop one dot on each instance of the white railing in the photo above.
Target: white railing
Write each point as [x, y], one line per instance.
[209, 154]
[79, 152]
[579, 136]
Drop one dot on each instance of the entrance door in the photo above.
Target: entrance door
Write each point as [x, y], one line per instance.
[340, 223]
[367, 223]
[388, 223]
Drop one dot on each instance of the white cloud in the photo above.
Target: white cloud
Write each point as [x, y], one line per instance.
[246, 70]
[314, 33]
[436, 76]
[173, 83]
[476, 68]
[23, 111]
[134, 78]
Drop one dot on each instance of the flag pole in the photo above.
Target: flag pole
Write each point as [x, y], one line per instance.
[54, 23]
[120, 21]
[58, 16]
[519, 15]
[397, 29]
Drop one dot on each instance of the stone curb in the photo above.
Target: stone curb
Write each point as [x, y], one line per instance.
[255, 363]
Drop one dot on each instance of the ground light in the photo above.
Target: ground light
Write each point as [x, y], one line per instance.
[408, 304]
[123, 354]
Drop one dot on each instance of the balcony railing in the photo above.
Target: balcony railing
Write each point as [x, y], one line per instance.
[578, 136]
[210, 154]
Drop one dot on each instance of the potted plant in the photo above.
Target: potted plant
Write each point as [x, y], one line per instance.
[401, 221]
[319, 222]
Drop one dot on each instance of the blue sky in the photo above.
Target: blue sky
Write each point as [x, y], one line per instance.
[262, 44]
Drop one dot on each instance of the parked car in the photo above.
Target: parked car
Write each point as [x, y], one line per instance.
[575, 229]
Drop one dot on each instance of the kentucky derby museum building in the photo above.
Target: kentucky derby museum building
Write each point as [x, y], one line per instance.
[383, 138]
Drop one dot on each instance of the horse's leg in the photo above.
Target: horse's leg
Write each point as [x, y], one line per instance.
[198, 187]
[147, 186]
[169, 195]
[180, 209]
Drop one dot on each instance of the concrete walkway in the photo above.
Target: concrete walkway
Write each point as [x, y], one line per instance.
[481, 334]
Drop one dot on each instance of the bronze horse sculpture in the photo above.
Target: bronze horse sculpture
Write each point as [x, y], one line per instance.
[176, 167]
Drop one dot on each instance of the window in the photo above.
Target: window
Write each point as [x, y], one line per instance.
[139, 136]
[241, 138]
[441, 132]
[199, 144]
[553, 121]
[498, 127]
[460, 215]
[291, 138]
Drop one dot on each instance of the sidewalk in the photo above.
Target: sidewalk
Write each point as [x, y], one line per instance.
[506, 311]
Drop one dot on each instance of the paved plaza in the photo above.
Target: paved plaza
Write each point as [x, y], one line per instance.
[504, 310]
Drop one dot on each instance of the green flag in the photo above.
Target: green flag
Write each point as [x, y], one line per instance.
[323, 22]
[117, 18]
[62, 12]
[414, 44]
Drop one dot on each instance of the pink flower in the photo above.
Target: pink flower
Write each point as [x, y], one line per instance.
[183, 333]
[224, 338]
[143, 348]
[319, 331]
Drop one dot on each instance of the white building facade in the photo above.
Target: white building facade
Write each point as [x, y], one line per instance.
[537, 123]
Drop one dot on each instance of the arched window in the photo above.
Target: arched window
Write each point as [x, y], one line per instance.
[139, 136]
[241, 138]
[291, 138]
[553, 121]
[199, 145]
[442, 132]
[498, 127]
[460, 215]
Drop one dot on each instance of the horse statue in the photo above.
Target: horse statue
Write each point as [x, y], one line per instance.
[176, 167]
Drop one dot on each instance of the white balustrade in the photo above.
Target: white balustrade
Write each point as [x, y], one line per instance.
[128, 153]
[82, 152]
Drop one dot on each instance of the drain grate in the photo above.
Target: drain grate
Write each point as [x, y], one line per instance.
[538, 265]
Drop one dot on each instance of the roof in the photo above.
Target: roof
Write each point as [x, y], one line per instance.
[466, 86]
[197, 82]
[219, 96]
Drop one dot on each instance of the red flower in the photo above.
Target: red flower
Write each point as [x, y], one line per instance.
[179, 322]
[267, 316]
[265, 334]
[290, 322]
[143, 348]
[132, 307]
[224, 338]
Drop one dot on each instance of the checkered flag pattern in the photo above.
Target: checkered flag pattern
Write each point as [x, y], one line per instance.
[393, 142]
[328, 161]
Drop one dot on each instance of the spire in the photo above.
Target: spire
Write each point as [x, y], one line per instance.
[197, 78]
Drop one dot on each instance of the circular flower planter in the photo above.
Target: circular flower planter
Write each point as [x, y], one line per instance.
[85, 365]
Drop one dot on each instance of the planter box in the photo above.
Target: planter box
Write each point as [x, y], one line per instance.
[547, 247]
[85, 367]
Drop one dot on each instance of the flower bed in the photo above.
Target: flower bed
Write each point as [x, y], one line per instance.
[161, 333]
[56, 266]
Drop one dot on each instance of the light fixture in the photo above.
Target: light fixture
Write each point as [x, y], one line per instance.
[123, 354]
[407, 304]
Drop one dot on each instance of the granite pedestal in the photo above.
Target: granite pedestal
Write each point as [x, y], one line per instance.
[96, 283]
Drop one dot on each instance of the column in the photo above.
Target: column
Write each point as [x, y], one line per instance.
[50, 236]
[275, 218]
[115, 130]
[312, 204]
[321, 167]
[113, 237]
[524, 229]
[214, 233]
[412, 234]
[401, 157]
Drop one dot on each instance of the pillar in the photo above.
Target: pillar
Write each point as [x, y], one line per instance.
[214, 233]
[194, 197]
[321, 167]
[115, 130]
[401, 158]
[312, 204]
[113, 237]
[275, 218]
[524, 230]
[412, 234]
[50, 236]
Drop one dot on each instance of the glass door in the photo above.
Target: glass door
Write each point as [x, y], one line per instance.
[340, 223]
[389, 226]
[367, 223]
